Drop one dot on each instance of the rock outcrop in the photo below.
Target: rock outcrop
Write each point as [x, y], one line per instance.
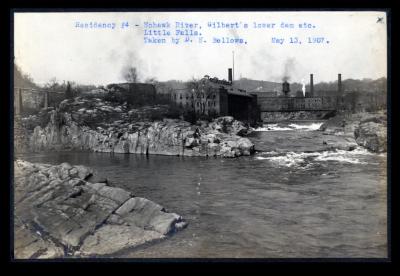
[372, 135]
[221, 137]
[228, 124]
[368, 129]
[58, 213]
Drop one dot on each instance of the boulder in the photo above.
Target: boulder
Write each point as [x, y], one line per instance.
[368, 129]
[117, 194]
[372, 136]
[147, 214]
[83, 172]
[229, 125]
[246, 146]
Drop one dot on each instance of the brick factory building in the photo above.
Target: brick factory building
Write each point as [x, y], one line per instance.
[215, 97]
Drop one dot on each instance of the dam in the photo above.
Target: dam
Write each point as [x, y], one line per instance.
[302, 106]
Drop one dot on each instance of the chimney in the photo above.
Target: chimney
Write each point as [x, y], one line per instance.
[311, 85]
[340, 84]
[230, 75]
[285, 88]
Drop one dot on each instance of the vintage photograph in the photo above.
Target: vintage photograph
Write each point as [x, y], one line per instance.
[199, 134]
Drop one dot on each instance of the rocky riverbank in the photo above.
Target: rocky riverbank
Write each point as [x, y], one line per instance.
[368, 129]
[67, 129]
[64, 211]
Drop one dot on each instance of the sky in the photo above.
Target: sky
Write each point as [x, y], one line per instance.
[49, 45]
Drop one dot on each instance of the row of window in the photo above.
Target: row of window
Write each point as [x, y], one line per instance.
[213, 96]
[198, 104]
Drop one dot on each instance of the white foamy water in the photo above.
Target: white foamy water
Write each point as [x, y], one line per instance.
[291, 159]
[313, 126]
[276, 127]
[325, 156]
[272, 127]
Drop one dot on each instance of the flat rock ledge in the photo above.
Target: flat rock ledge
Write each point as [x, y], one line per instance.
[58, 213]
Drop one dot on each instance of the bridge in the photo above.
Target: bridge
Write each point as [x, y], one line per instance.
[291, 104]
[274, 109]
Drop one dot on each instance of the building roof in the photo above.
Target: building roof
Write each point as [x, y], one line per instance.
[238, 93]
[231, 89]
[131, 83]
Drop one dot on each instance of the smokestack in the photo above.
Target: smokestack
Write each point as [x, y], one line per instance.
[230, 75]
[340, 84]
[233, 65]
[311, 85]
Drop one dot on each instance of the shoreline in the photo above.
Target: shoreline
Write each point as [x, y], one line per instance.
[59, 212]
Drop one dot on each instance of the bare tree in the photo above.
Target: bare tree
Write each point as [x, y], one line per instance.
[130, 74]
[202, 92]
[69, 94]
[52, 83]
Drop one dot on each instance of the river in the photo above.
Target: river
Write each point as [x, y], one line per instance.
[290, 199]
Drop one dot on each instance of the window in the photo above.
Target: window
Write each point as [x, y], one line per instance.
[214, 103]
[180, 96]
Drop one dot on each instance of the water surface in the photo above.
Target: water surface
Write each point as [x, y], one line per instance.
[285, 201]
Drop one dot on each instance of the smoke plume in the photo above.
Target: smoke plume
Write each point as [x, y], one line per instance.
[288, 69]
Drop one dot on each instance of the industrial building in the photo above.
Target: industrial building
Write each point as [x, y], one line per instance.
[301, 102]
[215, 97]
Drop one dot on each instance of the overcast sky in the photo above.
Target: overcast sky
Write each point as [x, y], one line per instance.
[49, 45]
